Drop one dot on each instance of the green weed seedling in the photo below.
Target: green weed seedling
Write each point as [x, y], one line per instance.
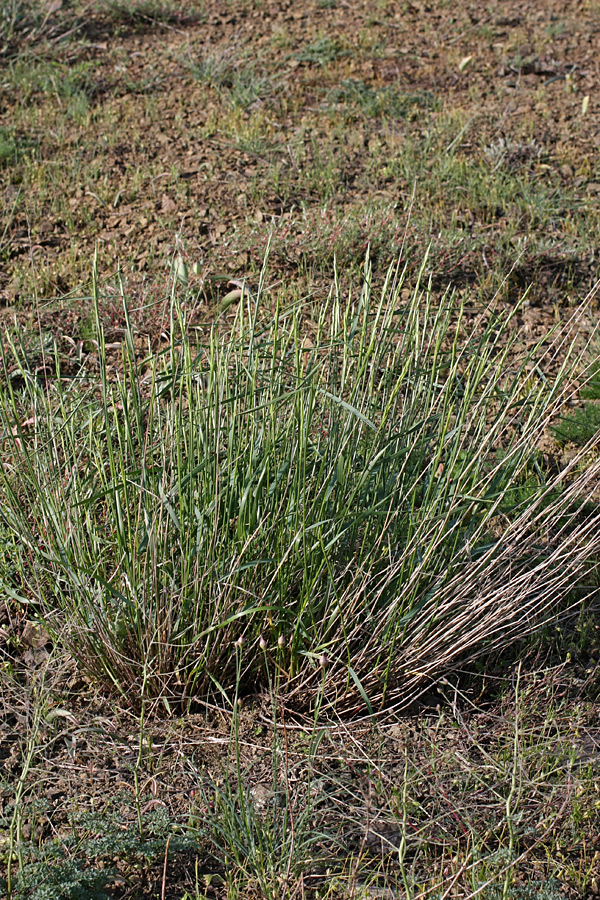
[323, 51]
[583, 424]
[8, 147]
[380, 102]
[82, 863]
[580, 427]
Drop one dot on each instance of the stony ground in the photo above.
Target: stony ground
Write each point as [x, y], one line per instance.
[186, 140]
[151, 129]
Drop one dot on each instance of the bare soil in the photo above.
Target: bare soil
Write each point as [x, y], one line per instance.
[317, 129]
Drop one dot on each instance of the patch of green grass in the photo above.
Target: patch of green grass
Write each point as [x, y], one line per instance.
[73, 86]
[318, 238]
[320, 497]
[8, 147]
[267, 838]
[381, 102]
[464, 198]
[580, 427]
[243, 81]
[584, 423]
[17, 16]
[323, 51]
[149, 12]
[499, 220]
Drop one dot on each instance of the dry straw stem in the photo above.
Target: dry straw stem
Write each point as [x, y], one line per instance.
[524, 580]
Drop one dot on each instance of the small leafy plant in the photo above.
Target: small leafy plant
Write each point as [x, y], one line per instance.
[323, 51]
[583, 424]
[380, 102]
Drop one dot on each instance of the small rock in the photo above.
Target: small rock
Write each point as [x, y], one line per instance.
[261, 794]
[34, 635]
[167, 204]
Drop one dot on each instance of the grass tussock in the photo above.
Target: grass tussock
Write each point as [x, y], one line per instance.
[351, 494]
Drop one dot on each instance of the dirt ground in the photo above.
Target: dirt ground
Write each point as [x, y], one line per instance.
[115, 795]
[185, 140]
[320, 126]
